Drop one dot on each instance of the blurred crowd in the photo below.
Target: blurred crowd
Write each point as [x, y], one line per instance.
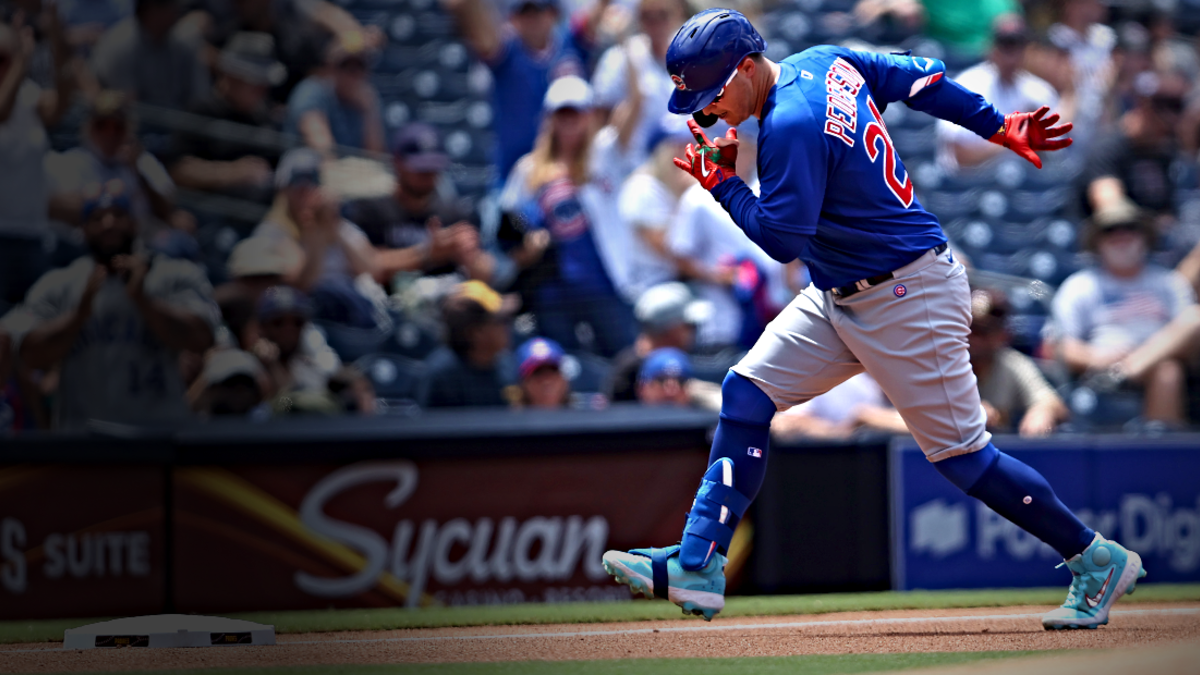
[267, 208]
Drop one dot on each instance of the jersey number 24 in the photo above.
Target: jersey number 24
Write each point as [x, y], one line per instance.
[876, 135]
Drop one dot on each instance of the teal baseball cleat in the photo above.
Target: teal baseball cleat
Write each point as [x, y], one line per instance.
[1103, 573]
[656, 573]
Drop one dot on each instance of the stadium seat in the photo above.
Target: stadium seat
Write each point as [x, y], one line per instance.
[396, 378]
[411, 339]
[587, 373]
[352, 343]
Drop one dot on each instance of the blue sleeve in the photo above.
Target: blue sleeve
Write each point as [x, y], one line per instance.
[922, 84]
[793, 168]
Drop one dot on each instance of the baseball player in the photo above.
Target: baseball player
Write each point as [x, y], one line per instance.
[887, 296]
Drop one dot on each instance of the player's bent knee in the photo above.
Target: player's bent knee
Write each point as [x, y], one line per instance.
[965, 470]
[742, 401]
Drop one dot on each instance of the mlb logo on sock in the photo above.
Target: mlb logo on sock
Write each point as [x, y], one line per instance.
[754, 452]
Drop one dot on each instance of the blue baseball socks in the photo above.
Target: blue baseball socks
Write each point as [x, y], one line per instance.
[737, 465]
[1020, 494]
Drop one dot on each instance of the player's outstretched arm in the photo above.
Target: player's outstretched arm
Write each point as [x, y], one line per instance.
[1026, 133]
[922, 85]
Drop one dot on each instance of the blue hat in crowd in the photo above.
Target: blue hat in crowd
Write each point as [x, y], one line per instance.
[112, 194]
[536, 353]
[281, 300]
[419, 146]
[665, 363]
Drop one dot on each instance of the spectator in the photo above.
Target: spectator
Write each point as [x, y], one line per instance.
[234, 385]
[1002, 81]
[709, 248]
[225, 163]
[1015, 395]
[477, 333]
[1136, 161]
[304, 218]
[525, 54]
[415, 229]
[552, 188]
[541, 385]
[301, 32]
[663, 378]
[667, 315]
[1126, 319]
[339, 107]
[115, 323]
[143, 58]
[111, 151]
[26, 112]
[1082, 34]
[638, 66]
[647, 204]
[258, 263]
[964, 27]
[856, 405]
[294, 364]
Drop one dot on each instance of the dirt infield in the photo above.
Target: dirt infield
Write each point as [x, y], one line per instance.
[1011, 628]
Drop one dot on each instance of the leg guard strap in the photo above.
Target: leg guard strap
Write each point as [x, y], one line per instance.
[658, 567]
[705, 519]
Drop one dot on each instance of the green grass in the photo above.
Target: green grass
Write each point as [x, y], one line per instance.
[438, 617]
[763, 665]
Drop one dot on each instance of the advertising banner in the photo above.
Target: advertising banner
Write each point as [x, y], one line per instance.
[78, 541]
[1142, 493]
[421, 532]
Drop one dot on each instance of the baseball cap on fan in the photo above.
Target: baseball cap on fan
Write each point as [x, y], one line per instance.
[536, 353]
[419, 147]
[666, 363]
[704, 54]
[668, 305]
[110, 195]
[298, 165]
[568, 92]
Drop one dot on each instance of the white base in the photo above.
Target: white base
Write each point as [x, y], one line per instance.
[169, 630]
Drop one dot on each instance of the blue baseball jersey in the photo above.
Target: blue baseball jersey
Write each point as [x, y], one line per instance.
[833, 190]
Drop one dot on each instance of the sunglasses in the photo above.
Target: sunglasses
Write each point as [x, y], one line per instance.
[724, 87]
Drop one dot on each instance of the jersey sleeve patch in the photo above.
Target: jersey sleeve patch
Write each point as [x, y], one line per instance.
[922, 83]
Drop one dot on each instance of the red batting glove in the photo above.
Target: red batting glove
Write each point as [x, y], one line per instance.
[711, 164]
[1025, 133]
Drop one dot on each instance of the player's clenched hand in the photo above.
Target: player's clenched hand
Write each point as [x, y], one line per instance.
[710, 163]
[1026, 133]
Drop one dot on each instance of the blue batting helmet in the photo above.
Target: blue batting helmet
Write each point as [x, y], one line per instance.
[704, 54]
